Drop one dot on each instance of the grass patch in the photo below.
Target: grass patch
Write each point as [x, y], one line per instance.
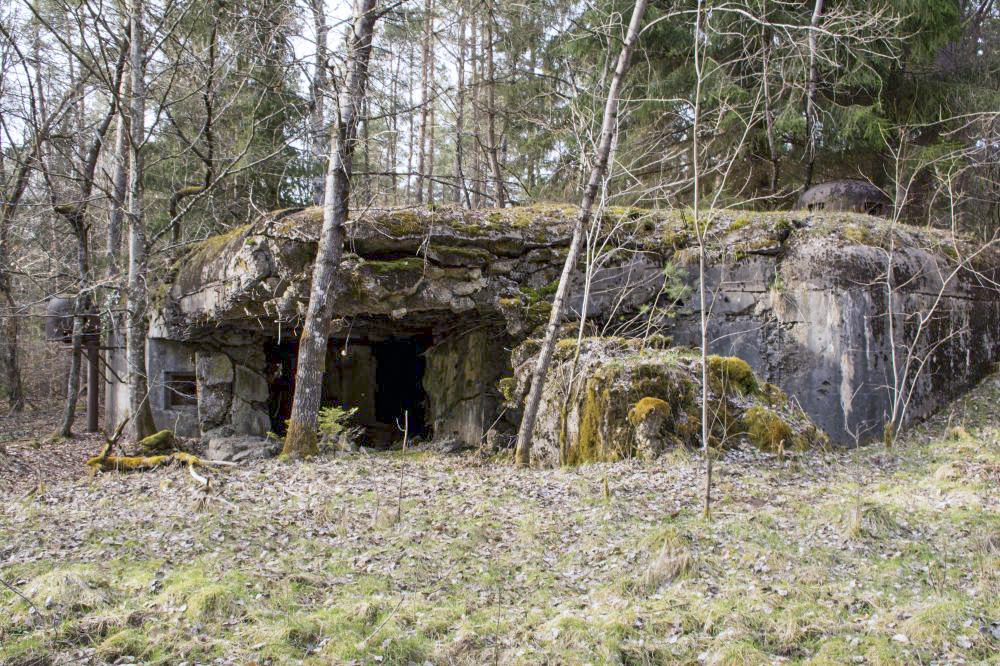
[860, 556]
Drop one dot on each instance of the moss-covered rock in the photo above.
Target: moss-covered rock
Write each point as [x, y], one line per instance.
[622, 399]
[766, 428]
[161, 442]
[649, 417]
[729, 373]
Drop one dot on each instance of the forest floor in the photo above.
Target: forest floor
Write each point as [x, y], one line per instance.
[865, 556]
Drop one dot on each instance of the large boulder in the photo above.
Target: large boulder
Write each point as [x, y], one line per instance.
[858, 196]
[621, 398]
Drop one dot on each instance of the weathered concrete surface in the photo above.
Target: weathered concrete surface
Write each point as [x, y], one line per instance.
[401, 270]
[814, 319]
[460, 382]
[802, 297]
[241, 447]
[857, 196]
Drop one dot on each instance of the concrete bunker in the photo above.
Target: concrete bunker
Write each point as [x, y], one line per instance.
[429, 304]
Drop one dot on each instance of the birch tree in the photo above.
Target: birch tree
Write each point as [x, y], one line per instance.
[301, 437]
[608, 127]
[811, 95]
[135, 339]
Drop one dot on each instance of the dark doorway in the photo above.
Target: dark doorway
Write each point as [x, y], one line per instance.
[398, 377]
[281, 360]
[399, 373]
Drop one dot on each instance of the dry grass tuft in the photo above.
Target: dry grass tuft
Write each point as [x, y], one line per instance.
[957, 434]
[673, 561]
[868, 520]
[933, 622]
[72, 589]
[950, 471]
[736, 653]
[990, 543]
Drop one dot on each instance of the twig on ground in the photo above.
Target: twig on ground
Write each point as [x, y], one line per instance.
[402, 466]
[18, 593]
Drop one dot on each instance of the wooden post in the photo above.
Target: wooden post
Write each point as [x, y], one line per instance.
[93, 382]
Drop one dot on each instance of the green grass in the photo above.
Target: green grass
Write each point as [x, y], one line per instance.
[827, 557]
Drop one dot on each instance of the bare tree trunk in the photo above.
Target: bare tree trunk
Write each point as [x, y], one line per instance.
[430, 149]
[477, 171]
[425, 75]
[500, 196]
[366, 179]
[8, 350]
[811, 95]
[410, 134]
[73, 385]
[431, 116]
[699, 229]
[301, 437]
[319, 85]
[608, 128]
[118, 189]
[394, 132]
[461, 192]
[138, 389]
[772, 143]
[116, 218]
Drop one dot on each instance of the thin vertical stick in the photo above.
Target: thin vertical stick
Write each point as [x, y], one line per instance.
[402, 467]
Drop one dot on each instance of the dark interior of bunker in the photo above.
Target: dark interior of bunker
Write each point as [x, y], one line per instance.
[384, 377]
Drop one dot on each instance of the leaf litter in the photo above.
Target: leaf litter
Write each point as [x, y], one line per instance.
[843, 556]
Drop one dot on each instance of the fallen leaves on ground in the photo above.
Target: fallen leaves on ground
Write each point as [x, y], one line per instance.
[861, 556]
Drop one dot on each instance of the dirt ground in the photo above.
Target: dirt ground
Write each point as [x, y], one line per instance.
[866, 556]
[30, 454]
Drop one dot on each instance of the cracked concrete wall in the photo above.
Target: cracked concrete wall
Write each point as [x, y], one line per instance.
[460, 380]
[814, 320]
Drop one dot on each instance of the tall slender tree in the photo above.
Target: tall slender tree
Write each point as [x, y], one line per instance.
[142, 424]
[609, 126]
[493, 141]
[426, 72]
[811, 94]
[301, 436]
[461, 191]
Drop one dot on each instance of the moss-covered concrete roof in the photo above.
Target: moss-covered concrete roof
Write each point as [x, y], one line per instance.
[512, 230]
[448, 258]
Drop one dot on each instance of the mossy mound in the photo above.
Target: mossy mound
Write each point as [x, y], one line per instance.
[625, 399]
[73, 588]
[648, 407]
[766, 428]
[161, 442]
[729, 373]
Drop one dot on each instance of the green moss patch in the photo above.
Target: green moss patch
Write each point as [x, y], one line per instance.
[625, 400]
[766, 428]
[647, 407]
[732, 373]
[191, 270]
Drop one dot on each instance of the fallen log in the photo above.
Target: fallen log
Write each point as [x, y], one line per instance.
[106, 463]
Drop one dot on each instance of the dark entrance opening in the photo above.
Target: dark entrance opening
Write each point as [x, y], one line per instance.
[281, 380]
[399, 376]
[382, 393]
